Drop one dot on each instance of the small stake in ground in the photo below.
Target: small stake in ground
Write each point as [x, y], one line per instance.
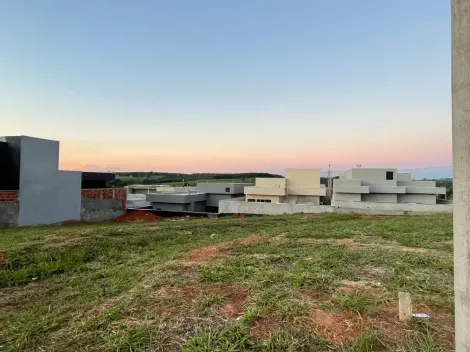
[404, 306]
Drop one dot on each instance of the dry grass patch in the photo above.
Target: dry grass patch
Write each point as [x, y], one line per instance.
[264, 326]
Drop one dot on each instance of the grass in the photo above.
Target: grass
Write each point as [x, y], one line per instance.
[281, 283]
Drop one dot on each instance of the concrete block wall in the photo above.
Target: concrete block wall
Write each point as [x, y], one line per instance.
[102, 204]
[105, 193]
[9, 208]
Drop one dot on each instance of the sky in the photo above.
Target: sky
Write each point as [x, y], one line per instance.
[230, 86]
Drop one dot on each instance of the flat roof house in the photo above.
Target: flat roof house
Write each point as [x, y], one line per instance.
[299, 186]
[206, 198]
[383, 186]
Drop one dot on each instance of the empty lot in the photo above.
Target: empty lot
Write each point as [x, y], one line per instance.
[284, 283]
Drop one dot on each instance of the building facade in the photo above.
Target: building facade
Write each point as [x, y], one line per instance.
[383, 186]
[206, 197]
[33, 191]
[299, 186]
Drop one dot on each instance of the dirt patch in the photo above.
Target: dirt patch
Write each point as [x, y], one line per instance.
[440, 320]
[361, 285]
[264, 326]
[138, 215]
[277, 239]
[346, 241]
[336, 328]
[208, 253]
[236, 298]
[315, 297]
[204, 254]
[374, 274]
[22, 297]
[235, 304]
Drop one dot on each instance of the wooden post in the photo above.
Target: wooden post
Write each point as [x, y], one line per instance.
[404, 306]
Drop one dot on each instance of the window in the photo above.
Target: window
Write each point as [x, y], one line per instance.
[251, 200]
[263, 200]
[227, 189]
[389, 175]
[267, 200]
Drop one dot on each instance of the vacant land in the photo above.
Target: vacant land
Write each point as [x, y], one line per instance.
[287, 283]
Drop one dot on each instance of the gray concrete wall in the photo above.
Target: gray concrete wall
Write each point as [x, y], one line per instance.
[313, 200]
[379, 198]
[404, 176]
[417, 183]
[417, 198]
[346, 182]
[391, 209]
[175, 197]
[222, 188]
[373, 176]
[348, 197]
[238, 206]
[177, 207]
[214, 199]
[198, 207]
[9, 214]
[241, 207]
[101, 210]
[46, 195]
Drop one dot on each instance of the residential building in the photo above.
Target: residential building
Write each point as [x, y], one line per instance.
[33, 191]
[178, 202]
[205, 198]
[383, 186]
[299, 186]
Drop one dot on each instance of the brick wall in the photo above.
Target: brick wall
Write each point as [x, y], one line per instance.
[8, 196]
[105, 193]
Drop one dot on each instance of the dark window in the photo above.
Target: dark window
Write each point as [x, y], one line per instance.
[227, 189]
[389, 175]
[251, 200]
[267, 201]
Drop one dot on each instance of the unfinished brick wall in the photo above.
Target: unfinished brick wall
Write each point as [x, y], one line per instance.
[105, 193]
[8, 196]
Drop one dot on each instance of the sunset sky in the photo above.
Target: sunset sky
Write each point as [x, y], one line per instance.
[230, 86]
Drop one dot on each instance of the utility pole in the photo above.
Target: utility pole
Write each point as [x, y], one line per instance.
[460, 21]
[329, 176]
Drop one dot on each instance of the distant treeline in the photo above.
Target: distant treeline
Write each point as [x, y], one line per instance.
[149, 178]
[448, 184]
